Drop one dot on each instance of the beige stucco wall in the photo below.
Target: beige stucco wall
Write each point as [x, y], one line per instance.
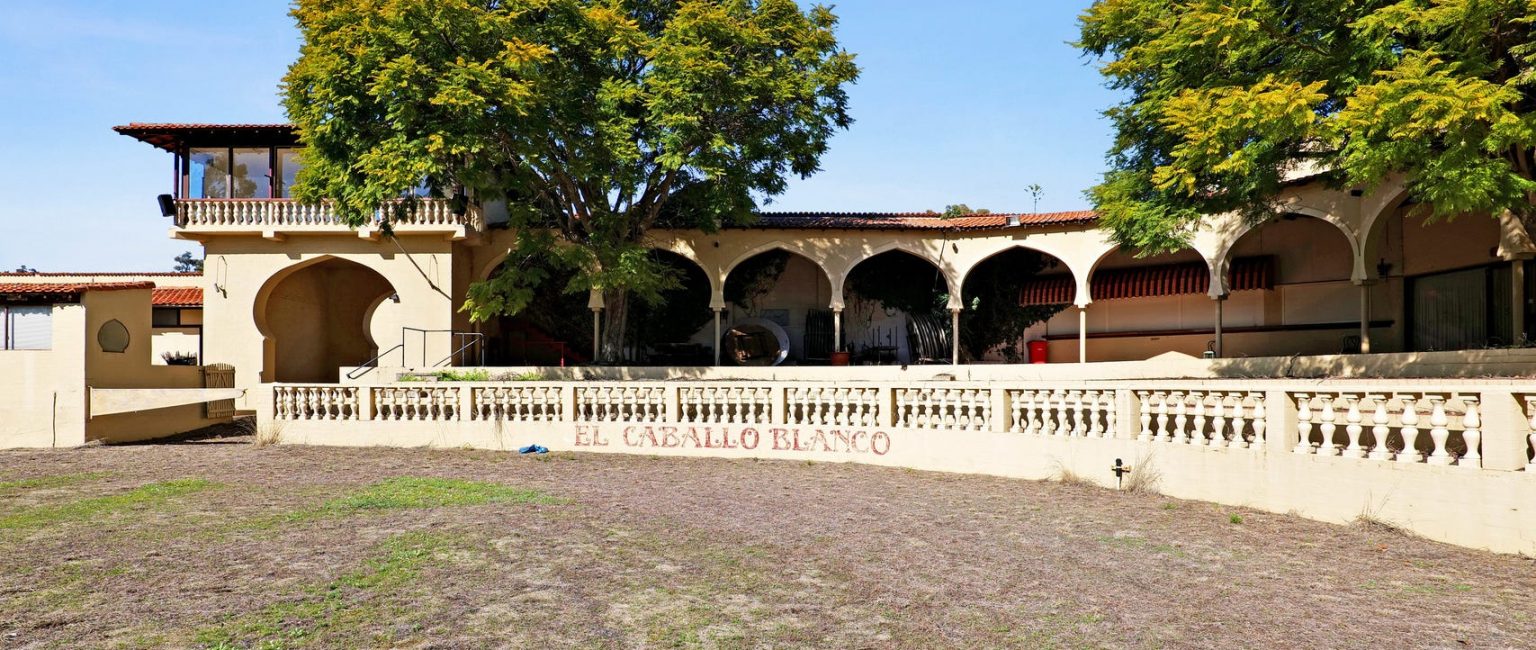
[244, 272]
[1478, 506]
[42, 392]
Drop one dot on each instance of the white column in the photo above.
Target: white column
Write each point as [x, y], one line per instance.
[1517, 298]
[597, 334]
[837, 330]
[1365, 318]
[954, 335]
[1220, 316]
[718, 333]
[1082, 333]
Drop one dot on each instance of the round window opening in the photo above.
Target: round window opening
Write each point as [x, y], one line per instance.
[113, 336]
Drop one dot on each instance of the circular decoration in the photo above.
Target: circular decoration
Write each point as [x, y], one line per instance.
[113, 336]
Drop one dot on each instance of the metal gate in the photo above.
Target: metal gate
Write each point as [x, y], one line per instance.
[219, 375]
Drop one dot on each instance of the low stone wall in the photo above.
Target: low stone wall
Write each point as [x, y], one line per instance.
[1449, 460]
[1469, 364]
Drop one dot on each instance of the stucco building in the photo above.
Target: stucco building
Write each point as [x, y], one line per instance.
[290, 294]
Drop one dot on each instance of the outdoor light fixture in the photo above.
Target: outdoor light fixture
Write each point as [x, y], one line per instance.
[167, 205]
[1120, 469]
[1383, 268]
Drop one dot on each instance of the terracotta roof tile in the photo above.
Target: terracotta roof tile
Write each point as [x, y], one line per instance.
[912, 220]
[169, 136]
[109, 274]
[71, 289]
[178, 297]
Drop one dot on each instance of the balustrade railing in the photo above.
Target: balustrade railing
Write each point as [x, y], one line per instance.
[316, 403]
[1390, 422]
[425, 403]
[518, 403]
[964, 409]
[284, 213]
[621, 404]
[832, 406]
[1437, 428]
[725, 405]
[1215, 419]
[1063, 413]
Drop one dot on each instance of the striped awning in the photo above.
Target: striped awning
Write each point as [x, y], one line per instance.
[1249, 273]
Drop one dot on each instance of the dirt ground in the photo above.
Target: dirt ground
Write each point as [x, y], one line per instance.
[222, 544]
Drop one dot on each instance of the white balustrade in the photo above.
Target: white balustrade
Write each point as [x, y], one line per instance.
[833, 406]
[962, 409]
[1381, 423]
[518, 403]
[1382, 426]
[416, 403]
[315, 403]
[621, 403]
[1530, 411]
[283, 213]
[1063, 413]
[725, 404]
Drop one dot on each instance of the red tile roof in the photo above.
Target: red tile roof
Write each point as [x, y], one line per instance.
[65, 290]
[178, 297]
[170, 136]
[913, 220]
[109, 274]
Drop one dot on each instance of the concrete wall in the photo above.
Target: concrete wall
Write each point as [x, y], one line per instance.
[247, 275]
[1478, 503]
[42, 392]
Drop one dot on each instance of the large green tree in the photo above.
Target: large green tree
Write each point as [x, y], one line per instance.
[593, 119]
[1224, 98]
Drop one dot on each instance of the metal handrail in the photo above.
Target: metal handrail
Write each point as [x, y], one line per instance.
[373, 364]
[475, 339]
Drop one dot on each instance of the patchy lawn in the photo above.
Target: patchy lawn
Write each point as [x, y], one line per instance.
[221, 544]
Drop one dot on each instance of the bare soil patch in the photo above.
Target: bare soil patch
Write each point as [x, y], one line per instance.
[223, 544]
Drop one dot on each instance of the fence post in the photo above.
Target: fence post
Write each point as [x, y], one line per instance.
[887, 399]
[568, 403]
[465, 408]
[674, 404]
[1127, 415]
[1280, 432]
[1002, 413]
[365, 404]
[1505, 430]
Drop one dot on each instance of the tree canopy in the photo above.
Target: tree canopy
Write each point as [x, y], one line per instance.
[1225, 98]
[593, 119]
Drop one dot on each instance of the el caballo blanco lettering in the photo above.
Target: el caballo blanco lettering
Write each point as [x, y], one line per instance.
[747, 438]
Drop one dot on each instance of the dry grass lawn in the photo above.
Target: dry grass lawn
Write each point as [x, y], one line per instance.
[223, 544]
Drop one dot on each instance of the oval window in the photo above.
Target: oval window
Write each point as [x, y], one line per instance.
[113, 336]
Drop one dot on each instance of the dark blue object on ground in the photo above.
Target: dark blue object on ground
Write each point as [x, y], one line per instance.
[534, 449]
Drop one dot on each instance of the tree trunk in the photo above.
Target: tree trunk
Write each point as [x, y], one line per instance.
[615, 327]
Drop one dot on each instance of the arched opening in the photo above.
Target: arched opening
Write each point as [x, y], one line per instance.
[1147, 305]
[777, 291]
[897, 310]
[1291, 291]
[1012, 298]
[553, 329]
[319, 318]
[675, 329]
[1441, 284]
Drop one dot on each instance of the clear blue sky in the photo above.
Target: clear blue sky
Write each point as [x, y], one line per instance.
[967, 103]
